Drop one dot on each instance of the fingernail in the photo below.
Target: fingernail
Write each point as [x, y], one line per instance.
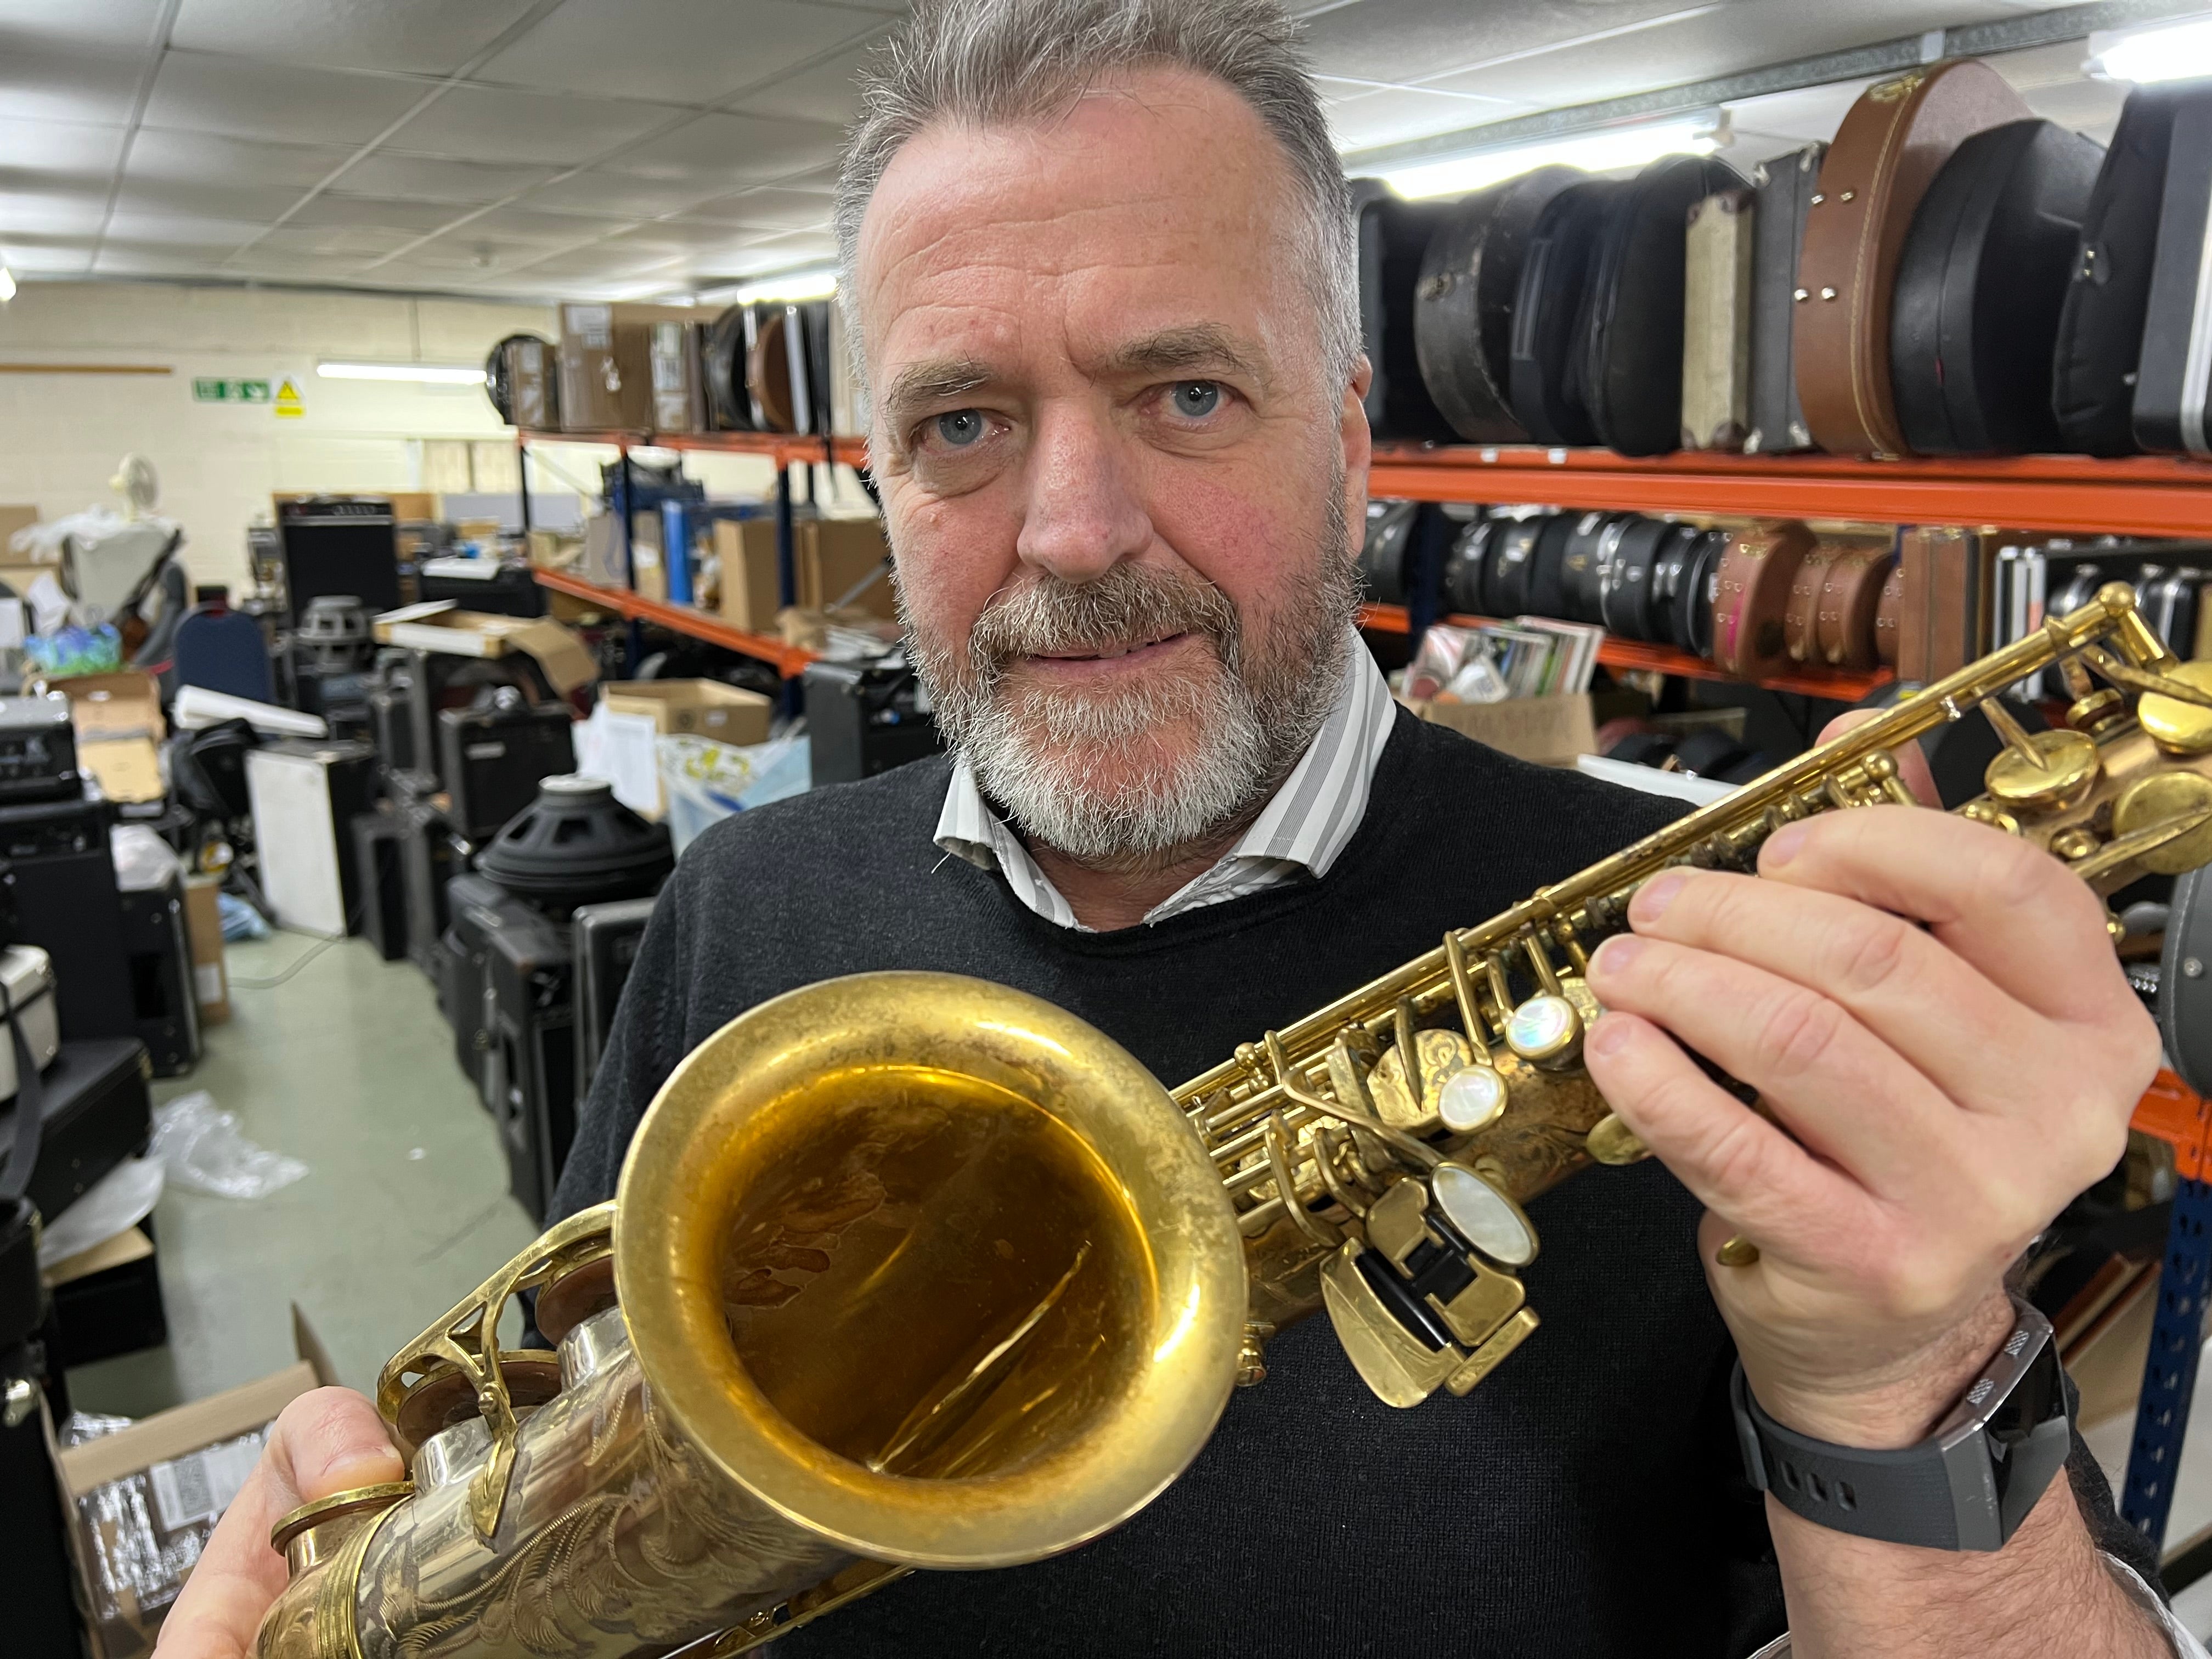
[1783, 844]
[1607, 1036]
[1652, 898]
[1614, 955]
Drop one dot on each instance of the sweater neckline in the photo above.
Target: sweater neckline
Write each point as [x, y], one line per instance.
[1230, 915]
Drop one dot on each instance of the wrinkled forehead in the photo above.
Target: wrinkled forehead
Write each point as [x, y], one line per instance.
[1157, 202]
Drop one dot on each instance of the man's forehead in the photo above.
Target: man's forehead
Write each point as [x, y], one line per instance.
[1109, 221]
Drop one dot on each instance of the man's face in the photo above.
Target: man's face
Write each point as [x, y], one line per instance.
[1116, 468]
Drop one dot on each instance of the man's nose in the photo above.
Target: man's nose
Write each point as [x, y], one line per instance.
[1083, 515]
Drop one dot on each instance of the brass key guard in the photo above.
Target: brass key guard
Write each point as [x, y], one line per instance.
[915, 1271]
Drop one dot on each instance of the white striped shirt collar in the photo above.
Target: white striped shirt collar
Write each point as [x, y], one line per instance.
[1305, 825]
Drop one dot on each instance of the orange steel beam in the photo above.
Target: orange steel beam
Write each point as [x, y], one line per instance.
[2144, 496]
[786, 659]
[2175, 1113]
[784, 448]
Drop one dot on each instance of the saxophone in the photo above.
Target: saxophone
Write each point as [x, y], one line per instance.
[908, 1270]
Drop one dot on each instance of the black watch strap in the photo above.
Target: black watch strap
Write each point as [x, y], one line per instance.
[1967, 1486]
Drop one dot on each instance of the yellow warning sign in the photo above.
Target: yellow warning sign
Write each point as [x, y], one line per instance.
[288, 406]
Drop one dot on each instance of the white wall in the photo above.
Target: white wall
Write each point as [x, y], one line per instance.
[62, 434]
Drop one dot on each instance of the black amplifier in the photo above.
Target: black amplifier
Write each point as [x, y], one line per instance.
[492, 754]
[379, 860]
[97, 1114]
[38, 750]
[530, 1062]
[163, 996]
[864, 718]
[607, 940]
[340, 545]
[66, 903]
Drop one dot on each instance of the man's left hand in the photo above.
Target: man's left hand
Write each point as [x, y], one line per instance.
[1933, 1012]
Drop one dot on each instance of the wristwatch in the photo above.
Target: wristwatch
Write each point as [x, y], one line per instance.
[1967, 1486]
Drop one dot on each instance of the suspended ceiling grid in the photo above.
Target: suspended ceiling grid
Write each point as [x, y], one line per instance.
[619, 148]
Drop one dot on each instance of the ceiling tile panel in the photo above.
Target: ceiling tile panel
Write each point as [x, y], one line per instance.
[427, 37]
[164, 153]
[212, 198]
[41, 81]
[61, 256]
[766, 209]
[523, 223]
[360, 241]
[605, 260]
[819, 180]
[620, 195]
[343, 208]
[204, 94]
[295, 267]
[737, 149]
[472, 256]
[434, 179]
[682, 51]
[829, 91]
[690, 235]
[1386, 117]
[73, 148]
[52, 212]
[135, 225]
[122, 257]
[786, 252]
[83, 22]
[487, 123]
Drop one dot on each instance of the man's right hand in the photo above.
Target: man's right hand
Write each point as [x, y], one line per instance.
[325, 1442]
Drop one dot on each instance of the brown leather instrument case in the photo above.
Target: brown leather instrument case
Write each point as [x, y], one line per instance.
[1751, 600]
[1851, 587]
[1892, 144]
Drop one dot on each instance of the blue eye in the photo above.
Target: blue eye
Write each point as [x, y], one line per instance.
[961, 428]
[1196, 399]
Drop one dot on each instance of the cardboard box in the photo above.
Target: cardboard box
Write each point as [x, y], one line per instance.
[745, 549]
[13, 519]
[533, 378]
[706, 709]
[678, 375]
[834, 556]
[127, 770]
[606, 364]
[829, 557]
[118, 718]
[141, 1501]
[103, 706]
[440, 625]
[204, 934]
[1553, 730]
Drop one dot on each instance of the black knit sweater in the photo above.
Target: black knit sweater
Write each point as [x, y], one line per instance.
[1584, 1501]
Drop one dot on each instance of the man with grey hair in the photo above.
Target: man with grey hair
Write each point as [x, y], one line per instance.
[1096, 254]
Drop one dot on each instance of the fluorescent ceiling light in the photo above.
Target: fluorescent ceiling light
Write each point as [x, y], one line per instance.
[7, 285]
[1601, 151]
[431, 373]
[2173, 51]
[792, 285]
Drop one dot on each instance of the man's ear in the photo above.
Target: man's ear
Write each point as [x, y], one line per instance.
[1358, 451]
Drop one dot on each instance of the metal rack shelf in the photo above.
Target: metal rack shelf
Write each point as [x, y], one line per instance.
[1833, 683]
[784, 448]
[786, 659]
[2141, 495]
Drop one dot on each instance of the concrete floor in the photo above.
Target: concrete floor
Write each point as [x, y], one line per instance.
[346, 1066]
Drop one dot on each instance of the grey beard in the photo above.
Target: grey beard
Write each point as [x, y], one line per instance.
[1037, 754]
